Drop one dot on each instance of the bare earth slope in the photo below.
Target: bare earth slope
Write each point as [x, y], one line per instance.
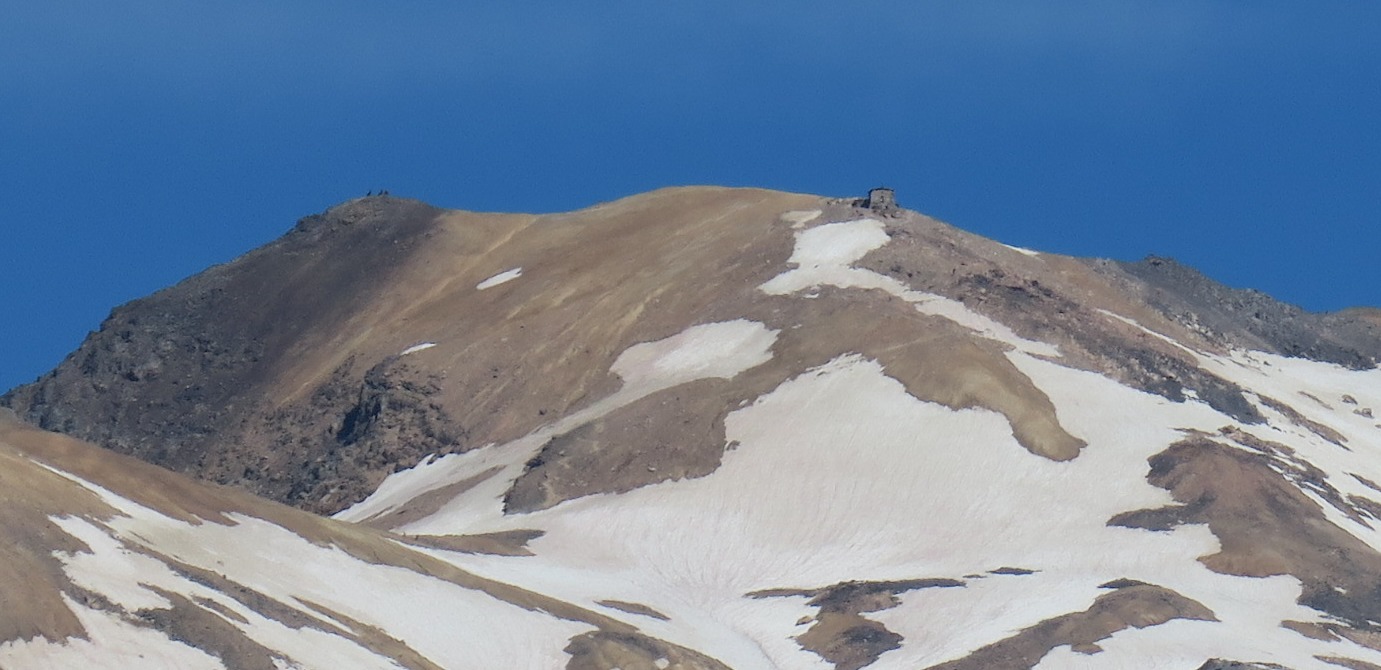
[771, 431]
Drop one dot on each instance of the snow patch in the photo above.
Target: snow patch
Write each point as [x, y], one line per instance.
[417, 347]
[1022, 250]
[719, 350]
[505, 276]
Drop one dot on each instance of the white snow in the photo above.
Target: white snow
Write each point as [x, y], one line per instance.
[421, 346]
[824, 254]
[1022, 250]
[1285, 380]
[502, 277]
[112, 570]
[711, 350]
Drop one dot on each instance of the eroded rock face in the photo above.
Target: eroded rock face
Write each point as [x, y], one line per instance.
[393, 424]
[187, 377]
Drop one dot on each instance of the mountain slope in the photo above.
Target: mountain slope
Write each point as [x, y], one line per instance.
[114, 563]
[778, 430]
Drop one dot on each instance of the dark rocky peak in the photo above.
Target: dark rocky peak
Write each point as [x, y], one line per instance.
[172, 377]
[374, 210]
[1249, 318]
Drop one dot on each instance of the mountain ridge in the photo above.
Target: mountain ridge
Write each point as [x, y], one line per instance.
[700, 428]
[233, 354]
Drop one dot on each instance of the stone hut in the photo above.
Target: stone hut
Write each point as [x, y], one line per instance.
[883, 201]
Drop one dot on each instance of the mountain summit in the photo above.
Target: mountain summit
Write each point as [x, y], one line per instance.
[714, 428]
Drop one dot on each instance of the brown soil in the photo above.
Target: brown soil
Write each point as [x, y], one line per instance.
[1349, 663]
[1138, 606]
[202, 627]
[1266, 525]
[500, 543]
[1057, 299]
[603, 650]
[634, 608]
[841, 634]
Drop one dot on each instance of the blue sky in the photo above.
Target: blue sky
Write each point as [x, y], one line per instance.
[142, 141]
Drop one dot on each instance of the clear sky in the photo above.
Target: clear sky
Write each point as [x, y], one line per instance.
[144, 140]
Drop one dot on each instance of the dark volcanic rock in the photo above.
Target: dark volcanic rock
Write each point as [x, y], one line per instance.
[1251, 319]
[179, 378]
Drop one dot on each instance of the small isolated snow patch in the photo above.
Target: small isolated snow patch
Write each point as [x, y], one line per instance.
[708, 350]
[417, 347]
[1022, 250]
[505, 276]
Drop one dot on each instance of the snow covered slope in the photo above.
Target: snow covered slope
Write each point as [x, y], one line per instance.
[712, 428]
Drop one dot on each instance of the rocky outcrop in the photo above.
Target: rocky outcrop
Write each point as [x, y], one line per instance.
[1250, 319]
[187, 377]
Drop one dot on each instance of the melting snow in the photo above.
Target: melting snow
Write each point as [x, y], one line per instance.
[505, 276]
